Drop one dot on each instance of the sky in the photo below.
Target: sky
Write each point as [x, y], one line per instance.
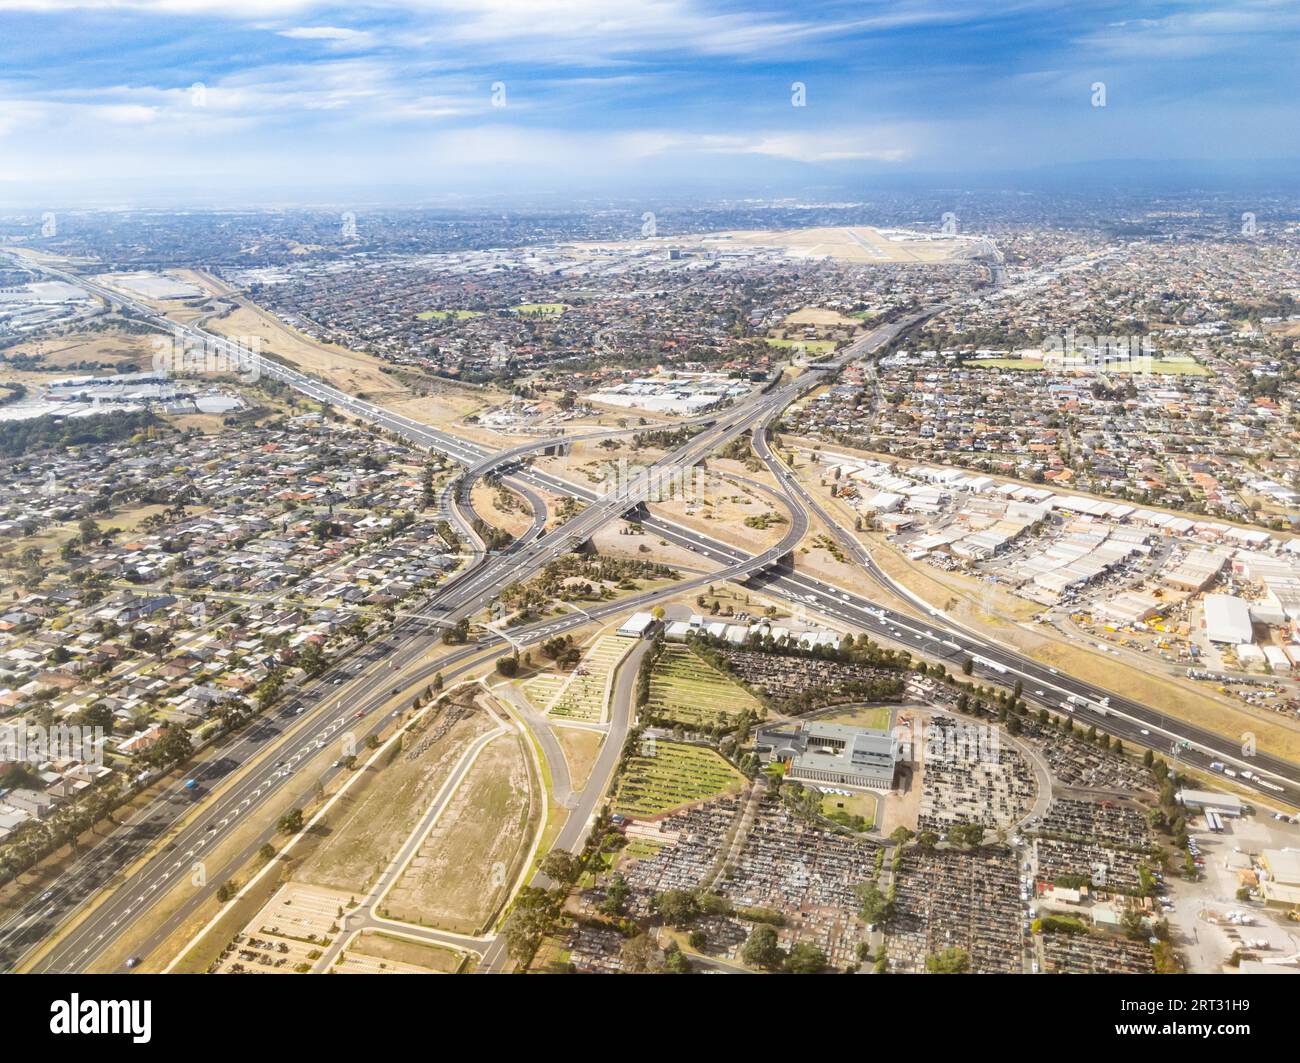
[310, 101]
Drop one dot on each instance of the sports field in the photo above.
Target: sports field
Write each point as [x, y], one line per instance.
[804, 346]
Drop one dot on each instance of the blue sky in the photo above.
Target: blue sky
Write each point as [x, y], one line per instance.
[308, 100]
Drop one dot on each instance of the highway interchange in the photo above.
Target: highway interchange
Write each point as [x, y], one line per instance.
[260, 763]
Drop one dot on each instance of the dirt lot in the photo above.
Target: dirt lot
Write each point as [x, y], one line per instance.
[69, 353]
[902, 808]
[374, 952]
[814, 315]
[446, 406]
[722, 511]
[467, 863]
[501, 508]
[647, 546]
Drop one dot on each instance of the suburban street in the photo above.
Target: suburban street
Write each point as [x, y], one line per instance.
[261, 763]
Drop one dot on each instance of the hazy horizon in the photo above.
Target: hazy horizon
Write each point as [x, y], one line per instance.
[174, 102]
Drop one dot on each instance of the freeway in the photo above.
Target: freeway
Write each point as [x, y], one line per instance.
[285, 746]
[469, 592]
[940, 637]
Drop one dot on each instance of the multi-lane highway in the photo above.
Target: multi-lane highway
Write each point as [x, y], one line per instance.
[462, 597]
[306, 727]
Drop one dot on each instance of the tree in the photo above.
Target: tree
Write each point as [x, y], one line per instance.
[172, 747]
[675, 962]
[530, 920]
[291, 821]
[561, 866]
[96, 716]
[873, 905]
[639, 954]
[966, 834]
[677, 907]
[616, 895]
[949, 961]
[761, 949]
[1133, 925]
[805, 958]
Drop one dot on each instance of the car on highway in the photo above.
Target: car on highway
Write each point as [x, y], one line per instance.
[358, 714]
[1145, 731]
[50, 893]
[133, 961]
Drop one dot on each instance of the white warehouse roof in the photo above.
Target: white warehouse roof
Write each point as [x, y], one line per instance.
[1227, 619]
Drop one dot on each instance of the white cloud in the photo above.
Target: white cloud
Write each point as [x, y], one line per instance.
[337, 34]
[873, 145]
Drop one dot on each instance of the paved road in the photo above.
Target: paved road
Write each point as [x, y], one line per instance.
[1109, 711]
[367, 914]
[573, 834]
[943, 638]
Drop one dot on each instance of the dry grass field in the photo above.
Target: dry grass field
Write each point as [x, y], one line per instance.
[465, 866]
[371, 826]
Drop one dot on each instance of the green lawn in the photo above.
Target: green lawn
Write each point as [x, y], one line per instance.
[541, 309]
[1156, 366]
[806, 346]
[864, 805]
[442, 315]
[876, 718]
[685, 690]
[676, 774]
